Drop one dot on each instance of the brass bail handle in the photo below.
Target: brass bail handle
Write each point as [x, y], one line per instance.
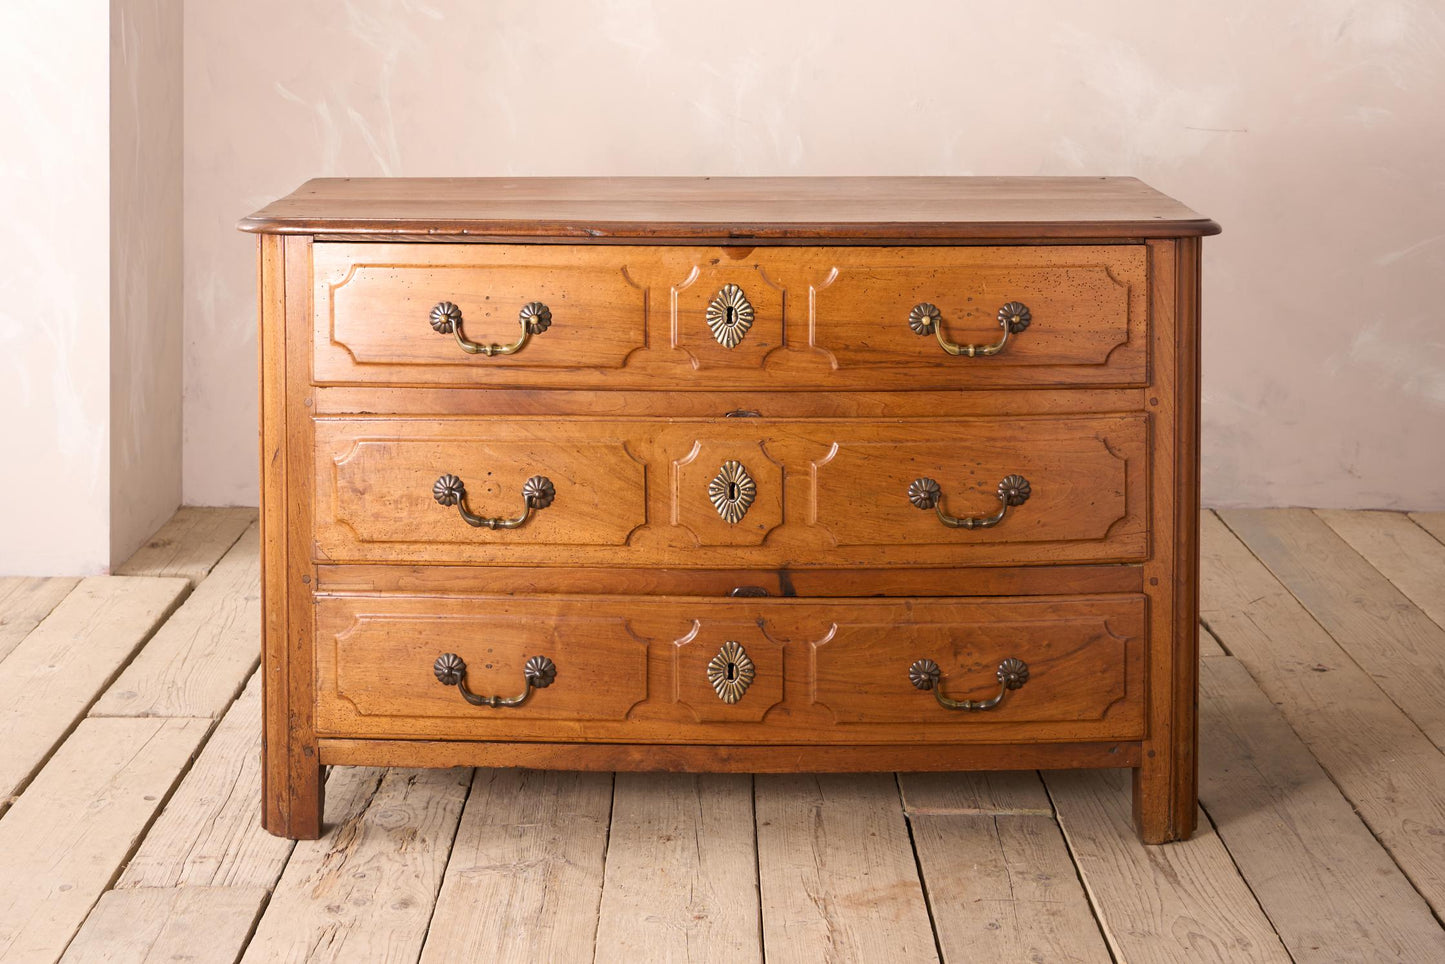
[537, 673]
[925, 493]
[926, 319]
[1012, 674]
[537, 493]
[535, 318]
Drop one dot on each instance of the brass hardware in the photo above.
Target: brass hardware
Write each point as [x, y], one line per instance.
[743, 413]
[535, 318]
[537, 493]
[729, 315]
[1012, 673]
[538, 672]
[1012, 491]
[731, 672]
[748, 592]
[732, 491]
[925, 319]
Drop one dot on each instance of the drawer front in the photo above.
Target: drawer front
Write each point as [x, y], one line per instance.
[751, 493]
[729, 318]
[675, 669]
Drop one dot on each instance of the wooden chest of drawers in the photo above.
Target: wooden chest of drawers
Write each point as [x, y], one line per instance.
[730, 474]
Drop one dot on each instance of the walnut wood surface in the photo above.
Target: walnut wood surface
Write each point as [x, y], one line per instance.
[635, 668]
[778, 209]
[829, 492]
[823, 317]
[620, 403]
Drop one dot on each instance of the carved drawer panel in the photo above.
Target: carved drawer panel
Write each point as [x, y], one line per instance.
[757, 493]
[710, 318]
[680, 669]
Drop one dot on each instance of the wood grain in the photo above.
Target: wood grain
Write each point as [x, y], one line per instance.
[633, 669]
[1390, 771]
[198, 661]
[66, 837]
[366, 890]
[730, 209]
[681, 878]
[970, 793]
[824, 318]
[836, 871]
[210, 831]
[1431, 522]
[51, 678]
[636, 492]
[1001, 887]
[205, 925]
[1181, 902]
[1385, 634]
[1319, 874]
[1403, 552]
[525, 877]
[190, 543]
[24, 602]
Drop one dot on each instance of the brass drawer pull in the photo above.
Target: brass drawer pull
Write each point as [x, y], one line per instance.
[924, 674]
[1013, 490]
[538, 672]
[535, 318]
[537, 493]
[1013, 318]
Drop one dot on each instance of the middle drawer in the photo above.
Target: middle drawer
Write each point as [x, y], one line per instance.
[774, 493]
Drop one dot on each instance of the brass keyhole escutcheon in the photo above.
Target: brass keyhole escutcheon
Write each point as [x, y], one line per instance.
[732, 491]
[731, 672]
[729, 315]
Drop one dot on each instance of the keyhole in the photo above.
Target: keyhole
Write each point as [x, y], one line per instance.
[732, 671]
[732, 491]
[730, 316]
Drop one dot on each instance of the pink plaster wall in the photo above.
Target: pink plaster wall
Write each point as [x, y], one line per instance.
[1313, 130]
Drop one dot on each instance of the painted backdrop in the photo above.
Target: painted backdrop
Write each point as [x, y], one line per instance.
[1313, 130]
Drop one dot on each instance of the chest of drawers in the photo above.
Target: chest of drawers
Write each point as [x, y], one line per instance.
[730, 474]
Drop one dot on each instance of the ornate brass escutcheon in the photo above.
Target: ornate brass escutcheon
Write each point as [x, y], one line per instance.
[925, 493]
[732, 491]
[926, 319]
[537, 493]
[731, 672]
[729, 315]
[451, 670]
[1012, 674]
[535, 318]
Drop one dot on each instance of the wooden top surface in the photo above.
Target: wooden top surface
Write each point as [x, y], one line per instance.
[762, 209]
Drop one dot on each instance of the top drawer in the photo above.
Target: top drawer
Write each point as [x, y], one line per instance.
[771, 318]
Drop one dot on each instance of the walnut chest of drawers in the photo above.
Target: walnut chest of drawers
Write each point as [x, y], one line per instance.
[730, 474]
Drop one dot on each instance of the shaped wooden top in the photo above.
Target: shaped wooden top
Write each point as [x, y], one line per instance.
[858, 210]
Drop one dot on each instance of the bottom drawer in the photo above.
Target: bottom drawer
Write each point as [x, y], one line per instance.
[745, 671]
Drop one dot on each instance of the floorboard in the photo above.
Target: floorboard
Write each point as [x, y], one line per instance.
[24, 602]
[531, 850]
[199, 660]
[199, 925]
[1387, 768]
[1385, 634]
[1324, 837]
[681, 882]
[189, 544]
[365, 890]
[1315, 868]
[1411, 558]
[1182, 901]
[836, 871]
[49, 681]
[62, 843]
[210, 832]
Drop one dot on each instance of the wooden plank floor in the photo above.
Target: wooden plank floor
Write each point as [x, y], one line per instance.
[129, 831]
